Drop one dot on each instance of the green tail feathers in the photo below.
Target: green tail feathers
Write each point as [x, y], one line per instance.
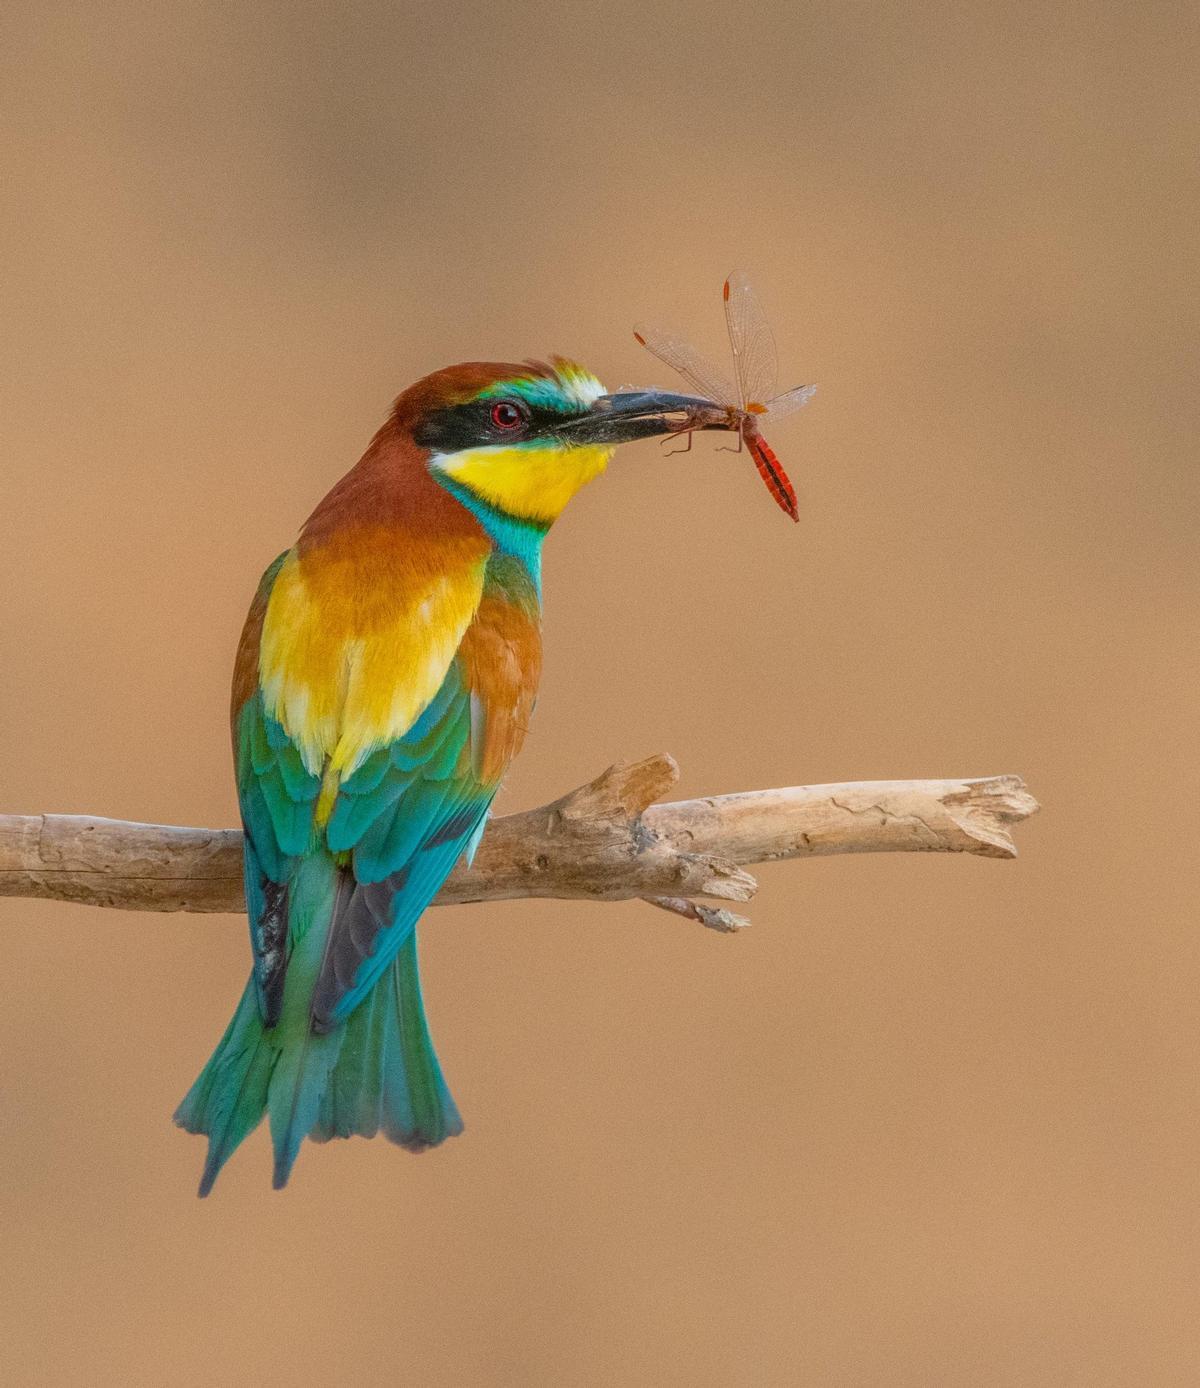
[377, 1072]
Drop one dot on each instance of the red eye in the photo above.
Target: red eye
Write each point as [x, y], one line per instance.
[506, 415]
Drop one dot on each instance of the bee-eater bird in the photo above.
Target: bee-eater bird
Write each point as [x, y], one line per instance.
[384, 682]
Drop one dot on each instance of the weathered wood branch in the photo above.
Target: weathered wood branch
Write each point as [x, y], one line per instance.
[606, 841]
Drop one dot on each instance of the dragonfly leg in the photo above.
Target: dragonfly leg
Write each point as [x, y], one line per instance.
[687, 448]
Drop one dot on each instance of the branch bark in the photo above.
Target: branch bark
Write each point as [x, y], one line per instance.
[606, 841]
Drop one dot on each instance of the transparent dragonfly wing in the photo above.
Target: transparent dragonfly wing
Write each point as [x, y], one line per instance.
[675, 351]
[752, 341]
[789, 402]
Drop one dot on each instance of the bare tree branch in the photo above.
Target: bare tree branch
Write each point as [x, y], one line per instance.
[606, 841]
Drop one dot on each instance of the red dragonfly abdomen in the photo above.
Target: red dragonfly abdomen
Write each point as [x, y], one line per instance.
[770, 469]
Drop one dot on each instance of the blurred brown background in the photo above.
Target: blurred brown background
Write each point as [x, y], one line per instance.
[931, 1121]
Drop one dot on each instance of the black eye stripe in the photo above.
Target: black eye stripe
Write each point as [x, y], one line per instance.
[470, 426]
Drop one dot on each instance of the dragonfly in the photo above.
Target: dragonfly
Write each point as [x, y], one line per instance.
[750, 397]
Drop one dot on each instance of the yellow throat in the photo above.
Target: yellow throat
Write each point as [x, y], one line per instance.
[532, 482]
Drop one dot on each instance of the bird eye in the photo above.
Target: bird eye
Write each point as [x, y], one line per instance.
[506, 415]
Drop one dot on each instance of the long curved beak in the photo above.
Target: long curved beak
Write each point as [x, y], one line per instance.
[641, 414]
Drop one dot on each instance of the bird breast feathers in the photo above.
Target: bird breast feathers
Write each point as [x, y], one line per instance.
[349, 658]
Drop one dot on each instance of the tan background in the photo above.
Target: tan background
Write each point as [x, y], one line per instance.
[932, 1121]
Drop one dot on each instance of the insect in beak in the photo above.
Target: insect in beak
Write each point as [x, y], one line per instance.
[752, 398]
[642, 414]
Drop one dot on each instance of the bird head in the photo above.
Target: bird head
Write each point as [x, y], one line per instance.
[522, 439]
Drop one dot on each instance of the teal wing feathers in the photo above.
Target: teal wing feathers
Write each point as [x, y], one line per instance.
[277, 797]
[404, 817]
